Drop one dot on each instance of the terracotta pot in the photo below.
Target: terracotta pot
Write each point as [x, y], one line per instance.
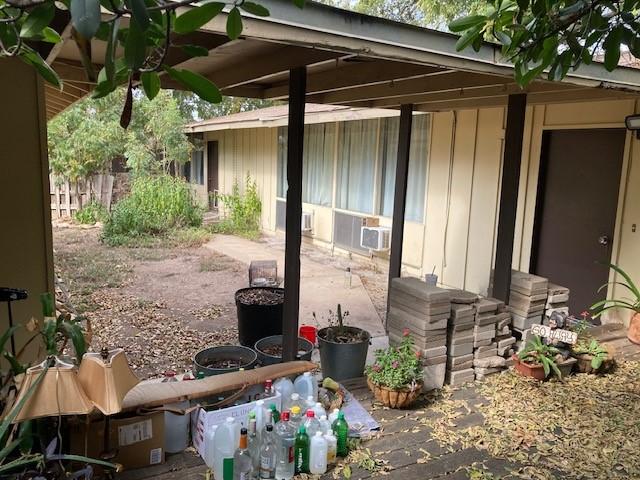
[529, 370]
[583, 364]
[634, 329]
[401, 398]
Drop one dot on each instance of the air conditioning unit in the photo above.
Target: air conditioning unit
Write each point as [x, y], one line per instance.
[307, 222]
[377, 239]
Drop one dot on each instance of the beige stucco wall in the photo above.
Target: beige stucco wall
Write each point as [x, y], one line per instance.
[463, 188]
[25, 242]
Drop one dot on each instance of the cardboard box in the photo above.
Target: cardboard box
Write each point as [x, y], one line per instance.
[138, 440]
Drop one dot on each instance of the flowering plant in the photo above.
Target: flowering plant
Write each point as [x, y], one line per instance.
[397, 367]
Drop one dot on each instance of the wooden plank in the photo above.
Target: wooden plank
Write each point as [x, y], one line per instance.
[509, 195]
[67, 198]
[293, 233]
[109, 192]
[400, 195]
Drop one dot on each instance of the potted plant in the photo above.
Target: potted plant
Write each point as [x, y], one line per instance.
[343, 349]
[396, 376]
[269, 350]
[629, 303]
[538, 360]
[592, 356]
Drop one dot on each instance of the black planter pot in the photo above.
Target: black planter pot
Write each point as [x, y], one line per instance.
[305, 347]
[342, 361]
[246, 356]
[258, 321]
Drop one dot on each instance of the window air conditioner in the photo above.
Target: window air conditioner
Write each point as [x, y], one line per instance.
[375, 238]
[307, 222]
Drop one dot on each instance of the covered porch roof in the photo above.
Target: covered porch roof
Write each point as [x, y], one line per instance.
[354, 60]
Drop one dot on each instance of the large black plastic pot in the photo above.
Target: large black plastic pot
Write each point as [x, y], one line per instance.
[245, 356]
[305, 347]
[342, 361]
[258, 321]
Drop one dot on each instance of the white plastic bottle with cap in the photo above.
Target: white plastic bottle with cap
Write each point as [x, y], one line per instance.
[310, 402]
[325, 425]
[305, 385]
[318, 410]
[284, 387]
[210, 447]
[318, 454]
[296, 401]
[261, 417]
[333, 416]
[226, 440]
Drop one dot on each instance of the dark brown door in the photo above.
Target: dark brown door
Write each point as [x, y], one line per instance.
[576, 210]
[212, 172]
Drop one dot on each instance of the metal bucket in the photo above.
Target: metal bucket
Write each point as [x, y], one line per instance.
[246, 356]
[305, 347]
[342, 361]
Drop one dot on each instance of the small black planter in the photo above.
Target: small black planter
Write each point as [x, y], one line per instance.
[243, 357]
[257, 321]
[342, 361]
[305, 347]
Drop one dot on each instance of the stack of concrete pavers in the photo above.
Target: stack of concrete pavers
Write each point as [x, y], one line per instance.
[527, 299]
[557, 301]
[460, 337]
[424, 310]
[486, 361]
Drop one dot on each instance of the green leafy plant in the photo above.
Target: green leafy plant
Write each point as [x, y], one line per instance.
[91, 213]
[397, 367]
[630, 303]
[593, 348]
[156, 205]
[538, 353]
[242, 210]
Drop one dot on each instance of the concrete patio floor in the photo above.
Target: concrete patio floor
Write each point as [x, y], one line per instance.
[322, 285]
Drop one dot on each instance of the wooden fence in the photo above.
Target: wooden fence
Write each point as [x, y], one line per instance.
[69, 197]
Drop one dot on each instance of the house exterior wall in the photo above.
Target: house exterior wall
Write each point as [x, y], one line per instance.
[457, 236]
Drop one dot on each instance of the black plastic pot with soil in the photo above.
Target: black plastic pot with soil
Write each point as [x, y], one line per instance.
[259, 313]
[269, 349]
[223, 359]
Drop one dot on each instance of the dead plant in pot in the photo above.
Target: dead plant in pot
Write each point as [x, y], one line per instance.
[396, 376]
[592, 356]
[627, 303]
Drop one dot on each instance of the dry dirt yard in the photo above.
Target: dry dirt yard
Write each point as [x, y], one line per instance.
[161, 303]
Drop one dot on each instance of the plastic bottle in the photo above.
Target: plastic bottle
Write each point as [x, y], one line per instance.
[284, 387]
[242, 463]
[275, 414]
[268, 454]
[295, 401]
[200, 375]
[318, 454]
[333, 416]
[286, 436]
[268, 389]
[254, 445]
[305, 385]
[226, 438]
[325, 426]
[302, 451]
[210, 447]
[296, 417]
[311, 423]
[319, 410]
[332, 447]
[309, 402]
[341, 431]
[260, 413]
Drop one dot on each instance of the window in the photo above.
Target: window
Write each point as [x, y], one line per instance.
[317, 166]
[197, 166]
[417, 176]
[356, 160]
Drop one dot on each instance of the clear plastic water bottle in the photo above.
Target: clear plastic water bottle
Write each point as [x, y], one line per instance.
[319, 410]
[333, 416]
[295, 401]
[332, 447]
[260, 413]
[305, 385]
[325, 426]
[318, 454]
[210, 447]
[296, 417]
[286, 436]
[341, 431]
[310, 402]
[284, 387]
[268, 455]
[311, 423]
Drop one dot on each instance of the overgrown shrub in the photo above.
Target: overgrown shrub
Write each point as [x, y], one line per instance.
[242, 209]
[91, 213]
[156, 205]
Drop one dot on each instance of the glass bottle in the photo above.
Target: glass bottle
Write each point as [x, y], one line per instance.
[254, 446]
[275, 414]
[242, 463]
[268, 455]
[268, 389]
[302, 451]
[286, 436]
[347, 277]
[341, 431]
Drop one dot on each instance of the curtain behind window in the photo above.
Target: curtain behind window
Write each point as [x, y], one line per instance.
[356, 160]
[317, 171]
[417, 176]
[281, 189]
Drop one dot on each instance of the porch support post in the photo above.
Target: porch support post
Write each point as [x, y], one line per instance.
[400, 196]
[509, 195]
[293, 234]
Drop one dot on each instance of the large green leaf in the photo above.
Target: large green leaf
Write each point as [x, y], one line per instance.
[234, 23]
[465, 23]
[255, 9]
[74, 332]
[49, 35]
[197, 17]
[7, 335]
[611, 47]
[194, 50]
[150, 84]
[37, 19]
[42, 67]
[196, 83]
[139, 12]
[135, 48]
[85, 16]
[110, 55]
[20, 463]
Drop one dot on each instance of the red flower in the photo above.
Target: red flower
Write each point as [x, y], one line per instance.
[418, 354]
[585, 313]
[395, 364]
[406, 332]
[376, 368]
